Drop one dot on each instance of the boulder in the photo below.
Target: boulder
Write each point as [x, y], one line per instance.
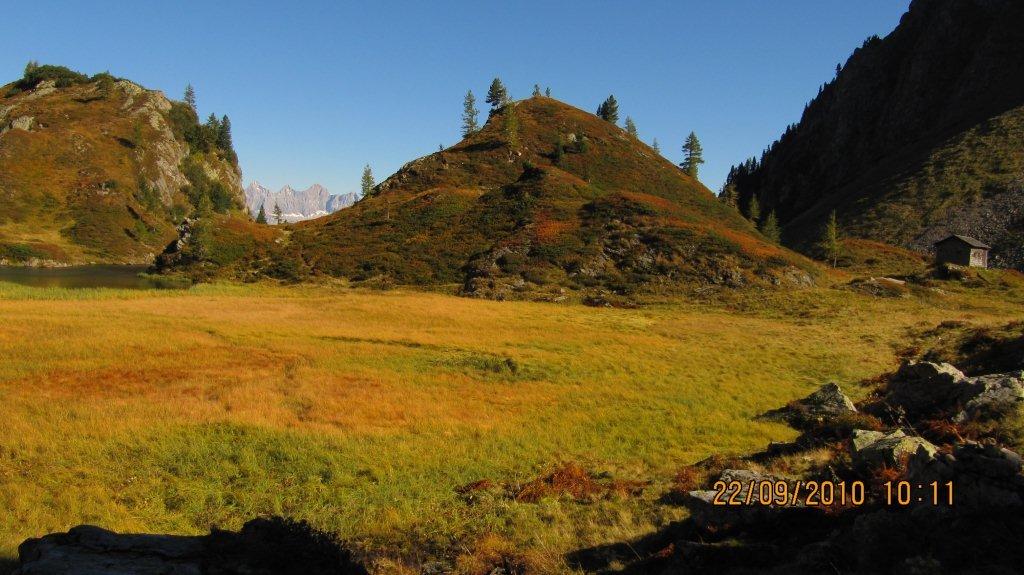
[716, 517]
[827, 402]
[871, 449]
[982, 473]
[272, 546]
[926, 389]
[88, 549]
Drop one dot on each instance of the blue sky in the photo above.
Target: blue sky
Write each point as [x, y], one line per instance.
[317, 89]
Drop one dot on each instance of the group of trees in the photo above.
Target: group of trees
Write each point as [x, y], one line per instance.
[213, 135]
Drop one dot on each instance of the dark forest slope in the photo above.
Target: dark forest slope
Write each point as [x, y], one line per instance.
[919, 135]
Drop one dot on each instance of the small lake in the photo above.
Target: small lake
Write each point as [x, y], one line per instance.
[91, 276]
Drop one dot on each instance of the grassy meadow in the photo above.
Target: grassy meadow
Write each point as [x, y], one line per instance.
[363, 411]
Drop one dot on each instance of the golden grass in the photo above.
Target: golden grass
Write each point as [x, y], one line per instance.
[363, 412]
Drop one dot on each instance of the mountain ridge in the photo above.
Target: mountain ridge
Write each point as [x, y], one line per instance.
[296, 205]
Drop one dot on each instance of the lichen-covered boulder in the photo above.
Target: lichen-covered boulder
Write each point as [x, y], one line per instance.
[871, 449]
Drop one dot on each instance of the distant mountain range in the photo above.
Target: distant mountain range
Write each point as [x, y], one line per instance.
[296, 205]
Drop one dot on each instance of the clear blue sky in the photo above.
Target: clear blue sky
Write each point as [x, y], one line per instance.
[317, 89]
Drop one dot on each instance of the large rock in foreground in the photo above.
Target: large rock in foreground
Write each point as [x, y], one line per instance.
[927, 389]
[262, 547]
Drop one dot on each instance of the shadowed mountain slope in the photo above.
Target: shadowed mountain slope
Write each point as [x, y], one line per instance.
[921, 134]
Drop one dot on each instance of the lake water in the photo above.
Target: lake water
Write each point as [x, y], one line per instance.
[93, 276]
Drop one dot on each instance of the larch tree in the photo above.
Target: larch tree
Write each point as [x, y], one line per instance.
[655, 146]
[366, 186]
[511, 127]
[190, 96]
[770, 228]
[278, 214]
[693, 155]
[547, 92]
[729, 195]
[469, 115]
[497, 95]
[630, 127]
[754, 210]
[536, 90]
[831, 245]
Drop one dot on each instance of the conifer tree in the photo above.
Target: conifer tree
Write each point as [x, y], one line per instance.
[770, 228]
[261, 217]
[469, 115]
[497, 95]
[367, 183]
[754, 210]
[729, 195]
[630, 127]
[547, 92]
[278, 215]
[655, 145]
[190, 96]
[830, 241]
[609, 110]
[694, 155]
[224, 134]
[536, 90]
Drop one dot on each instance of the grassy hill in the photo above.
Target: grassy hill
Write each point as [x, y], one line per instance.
[921, 134]
[566, 201]
[99, 169]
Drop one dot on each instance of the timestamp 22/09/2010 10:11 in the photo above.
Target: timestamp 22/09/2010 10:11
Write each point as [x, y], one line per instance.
[828, 493]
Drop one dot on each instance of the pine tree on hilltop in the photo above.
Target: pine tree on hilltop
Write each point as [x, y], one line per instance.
[694, 155]
[655, 146]
[609, 110]
[469, 115]
[547, 92]
[770, 228]
[497, 95]
[367, 182]
[261, 217]
[536, 90]
[630, 127]
[190, 96]
[278, 215]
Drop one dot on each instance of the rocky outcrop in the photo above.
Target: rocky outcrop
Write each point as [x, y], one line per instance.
[262, 547]
[927, 389]
[983, 474]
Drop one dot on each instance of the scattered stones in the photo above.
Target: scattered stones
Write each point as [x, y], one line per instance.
[872, 449]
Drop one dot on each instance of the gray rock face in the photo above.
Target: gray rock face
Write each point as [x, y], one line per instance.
[871, 449]
[924, 388]
[296, 205]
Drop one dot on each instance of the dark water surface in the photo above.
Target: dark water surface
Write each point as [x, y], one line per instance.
[92, 276]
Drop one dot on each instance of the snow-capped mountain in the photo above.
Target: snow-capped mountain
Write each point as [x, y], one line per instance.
[295, 205]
